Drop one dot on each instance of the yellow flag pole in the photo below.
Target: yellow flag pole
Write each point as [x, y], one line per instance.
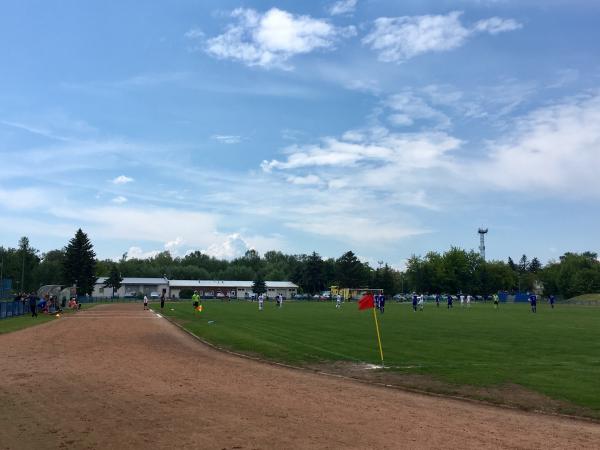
[378, 336]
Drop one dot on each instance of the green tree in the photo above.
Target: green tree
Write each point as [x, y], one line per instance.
[259, 286]
[114, 279]
[80, 263]
[350, 272]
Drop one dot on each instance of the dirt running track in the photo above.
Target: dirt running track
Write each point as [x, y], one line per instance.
[125, 378]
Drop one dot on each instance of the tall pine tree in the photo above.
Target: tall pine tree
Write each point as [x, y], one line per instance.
[80, 263]
[259, 286]
[114, 279]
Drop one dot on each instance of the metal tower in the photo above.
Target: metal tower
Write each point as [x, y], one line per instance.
[482, 232]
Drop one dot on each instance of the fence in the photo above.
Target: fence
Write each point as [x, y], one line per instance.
[11, 309]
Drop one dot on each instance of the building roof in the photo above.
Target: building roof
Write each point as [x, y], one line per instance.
[133, 280]
[228, 284]
[201, 283]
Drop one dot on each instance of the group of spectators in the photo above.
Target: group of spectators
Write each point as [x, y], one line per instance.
[46, 304]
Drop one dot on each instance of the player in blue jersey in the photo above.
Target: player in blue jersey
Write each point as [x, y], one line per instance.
[381, 303]
[437, 300]
[449, 298]
[533, 302]
[414, 301]
[551, 300]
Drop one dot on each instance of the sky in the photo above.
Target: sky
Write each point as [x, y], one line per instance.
[383, 127]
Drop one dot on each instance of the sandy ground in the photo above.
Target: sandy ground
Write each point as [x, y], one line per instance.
[120, 377]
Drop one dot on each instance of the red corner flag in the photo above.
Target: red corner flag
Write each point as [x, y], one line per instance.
[367, 301]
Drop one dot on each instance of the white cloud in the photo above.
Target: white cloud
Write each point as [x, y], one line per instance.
[119, 200]
[397, 39]
[408, 150]
[495, 25]
[554, 150]
[342, 7]
[232, 247]
[306, 180]
[408, 108]
[174, 245]
[122, 179]
[137, 253]
[194, 33]
[227, 139]
[270, 39]
[24, 198]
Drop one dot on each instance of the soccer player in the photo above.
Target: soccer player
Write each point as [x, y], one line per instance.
[338, 301]
[551, 300]
[533, 302]
[195, 299]
[414, 301]
[381, 303]
[421, 302]
[437, 300]
[496, 300]
[449, 298]
[261, 301]
[462, 300]
[145, 302]
[468, 300]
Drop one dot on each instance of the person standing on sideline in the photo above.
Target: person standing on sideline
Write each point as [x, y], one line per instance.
[381, 303]
[145, 302]
[195, 299]
[551, 300]
[162, 301]
[496, 300]
[533, 302]
[414, 301]
[449, 301]
[338, 301]
[33, 304]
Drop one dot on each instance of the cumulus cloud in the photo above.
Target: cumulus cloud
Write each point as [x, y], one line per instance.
[554, 149]
[232, 247]
[122, 179]
[270, 39]
[342, 7]
[397, 39]
[174, 245]
[137, 253]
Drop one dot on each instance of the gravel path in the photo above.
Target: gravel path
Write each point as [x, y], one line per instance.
[116, 376]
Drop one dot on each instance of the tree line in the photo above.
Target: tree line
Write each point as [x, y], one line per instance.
[453, 271]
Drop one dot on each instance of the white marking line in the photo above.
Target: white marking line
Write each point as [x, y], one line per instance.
[158, 315]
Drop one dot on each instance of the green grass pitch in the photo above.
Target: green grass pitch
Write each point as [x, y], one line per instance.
[554, 352]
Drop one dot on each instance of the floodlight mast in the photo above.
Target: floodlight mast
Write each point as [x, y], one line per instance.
[482, 232]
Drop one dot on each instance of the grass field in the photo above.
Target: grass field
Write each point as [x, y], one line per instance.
[554, 352]
[25, 321]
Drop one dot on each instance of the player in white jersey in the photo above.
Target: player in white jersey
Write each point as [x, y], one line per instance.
[338, 301]
[468, 301]
[261, 302]
[462, 300]
[421, 302]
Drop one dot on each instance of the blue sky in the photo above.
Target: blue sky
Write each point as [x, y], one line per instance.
[385, 127]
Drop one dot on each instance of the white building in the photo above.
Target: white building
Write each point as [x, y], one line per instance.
[130, 287]
[231, 288]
